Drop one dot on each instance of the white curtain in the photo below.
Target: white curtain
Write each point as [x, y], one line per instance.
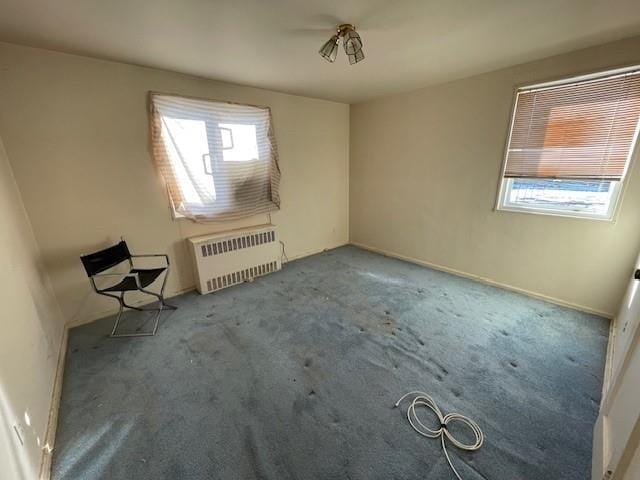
[219, 160]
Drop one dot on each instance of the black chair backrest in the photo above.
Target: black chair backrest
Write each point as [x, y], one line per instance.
[105, 259]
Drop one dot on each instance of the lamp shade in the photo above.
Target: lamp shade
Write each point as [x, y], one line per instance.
[352, 42]
[356, 57]
[330, 49]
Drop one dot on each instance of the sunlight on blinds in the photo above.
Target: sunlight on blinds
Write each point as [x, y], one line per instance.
[218, 160]
[582, 130]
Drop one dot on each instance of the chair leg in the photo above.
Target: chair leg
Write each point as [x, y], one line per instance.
[170, 307]
[143, 334]
[115, 325]
[123, 304]
[131, 306]
[164, 282]
[160, 298]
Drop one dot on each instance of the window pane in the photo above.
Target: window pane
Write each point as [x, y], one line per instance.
[227, 138]
[240, 143]
[593, 197]
[186, 143]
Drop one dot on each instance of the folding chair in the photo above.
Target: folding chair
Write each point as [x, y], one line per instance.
[138, 279]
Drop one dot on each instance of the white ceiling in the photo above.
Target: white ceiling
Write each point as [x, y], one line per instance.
[273, 43]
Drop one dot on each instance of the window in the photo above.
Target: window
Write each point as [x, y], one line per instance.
[570, 144]
[218, 160]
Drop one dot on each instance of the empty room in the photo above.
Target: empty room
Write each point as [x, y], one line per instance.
[299, 240]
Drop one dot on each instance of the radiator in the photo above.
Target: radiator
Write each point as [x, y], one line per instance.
[228, 258]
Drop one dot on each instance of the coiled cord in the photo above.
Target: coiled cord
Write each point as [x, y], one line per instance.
[424, 400]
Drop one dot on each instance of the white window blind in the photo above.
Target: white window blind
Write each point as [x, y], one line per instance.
[583, 130]
[219, 160]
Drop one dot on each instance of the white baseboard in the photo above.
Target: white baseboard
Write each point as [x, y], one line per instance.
[308, 253]
[488, 281]
[608, 365]
[52, 422]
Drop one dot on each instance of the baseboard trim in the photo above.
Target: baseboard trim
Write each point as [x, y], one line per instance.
[54, 406]
[608, 364]
[487, 281]
[316, 251]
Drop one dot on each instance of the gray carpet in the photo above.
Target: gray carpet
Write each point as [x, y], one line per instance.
[293, 376]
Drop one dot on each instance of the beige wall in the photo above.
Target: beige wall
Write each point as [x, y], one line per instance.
[424, 173]
[633, 472]
[31, 330]
[76, 132]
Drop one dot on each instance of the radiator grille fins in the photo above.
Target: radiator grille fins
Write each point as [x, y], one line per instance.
[224, 259]
[241, 276]
[233, 244]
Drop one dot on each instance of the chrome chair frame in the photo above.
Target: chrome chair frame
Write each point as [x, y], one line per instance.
[121, 297]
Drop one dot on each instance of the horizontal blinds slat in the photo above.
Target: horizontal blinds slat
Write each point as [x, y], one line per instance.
[189, 152]
[584, 130]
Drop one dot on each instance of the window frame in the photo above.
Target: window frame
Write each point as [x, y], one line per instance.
[214, 159]
[620, 187]
[505, 206]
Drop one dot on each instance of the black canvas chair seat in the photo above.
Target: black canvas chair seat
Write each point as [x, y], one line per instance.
[137, 279]
[145, 276]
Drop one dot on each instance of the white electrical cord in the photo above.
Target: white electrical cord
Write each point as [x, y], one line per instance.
[424, 400]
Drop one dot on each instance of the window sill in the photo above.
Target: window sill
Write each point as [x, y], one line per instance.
[552, 213]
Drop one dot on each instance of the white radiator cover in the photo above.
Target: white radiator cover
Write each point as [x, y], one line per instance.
[227, 258]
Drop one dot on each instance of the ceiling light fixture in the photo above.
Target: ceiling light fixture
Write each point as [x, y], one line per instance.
[330, 49]
[351, 41]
